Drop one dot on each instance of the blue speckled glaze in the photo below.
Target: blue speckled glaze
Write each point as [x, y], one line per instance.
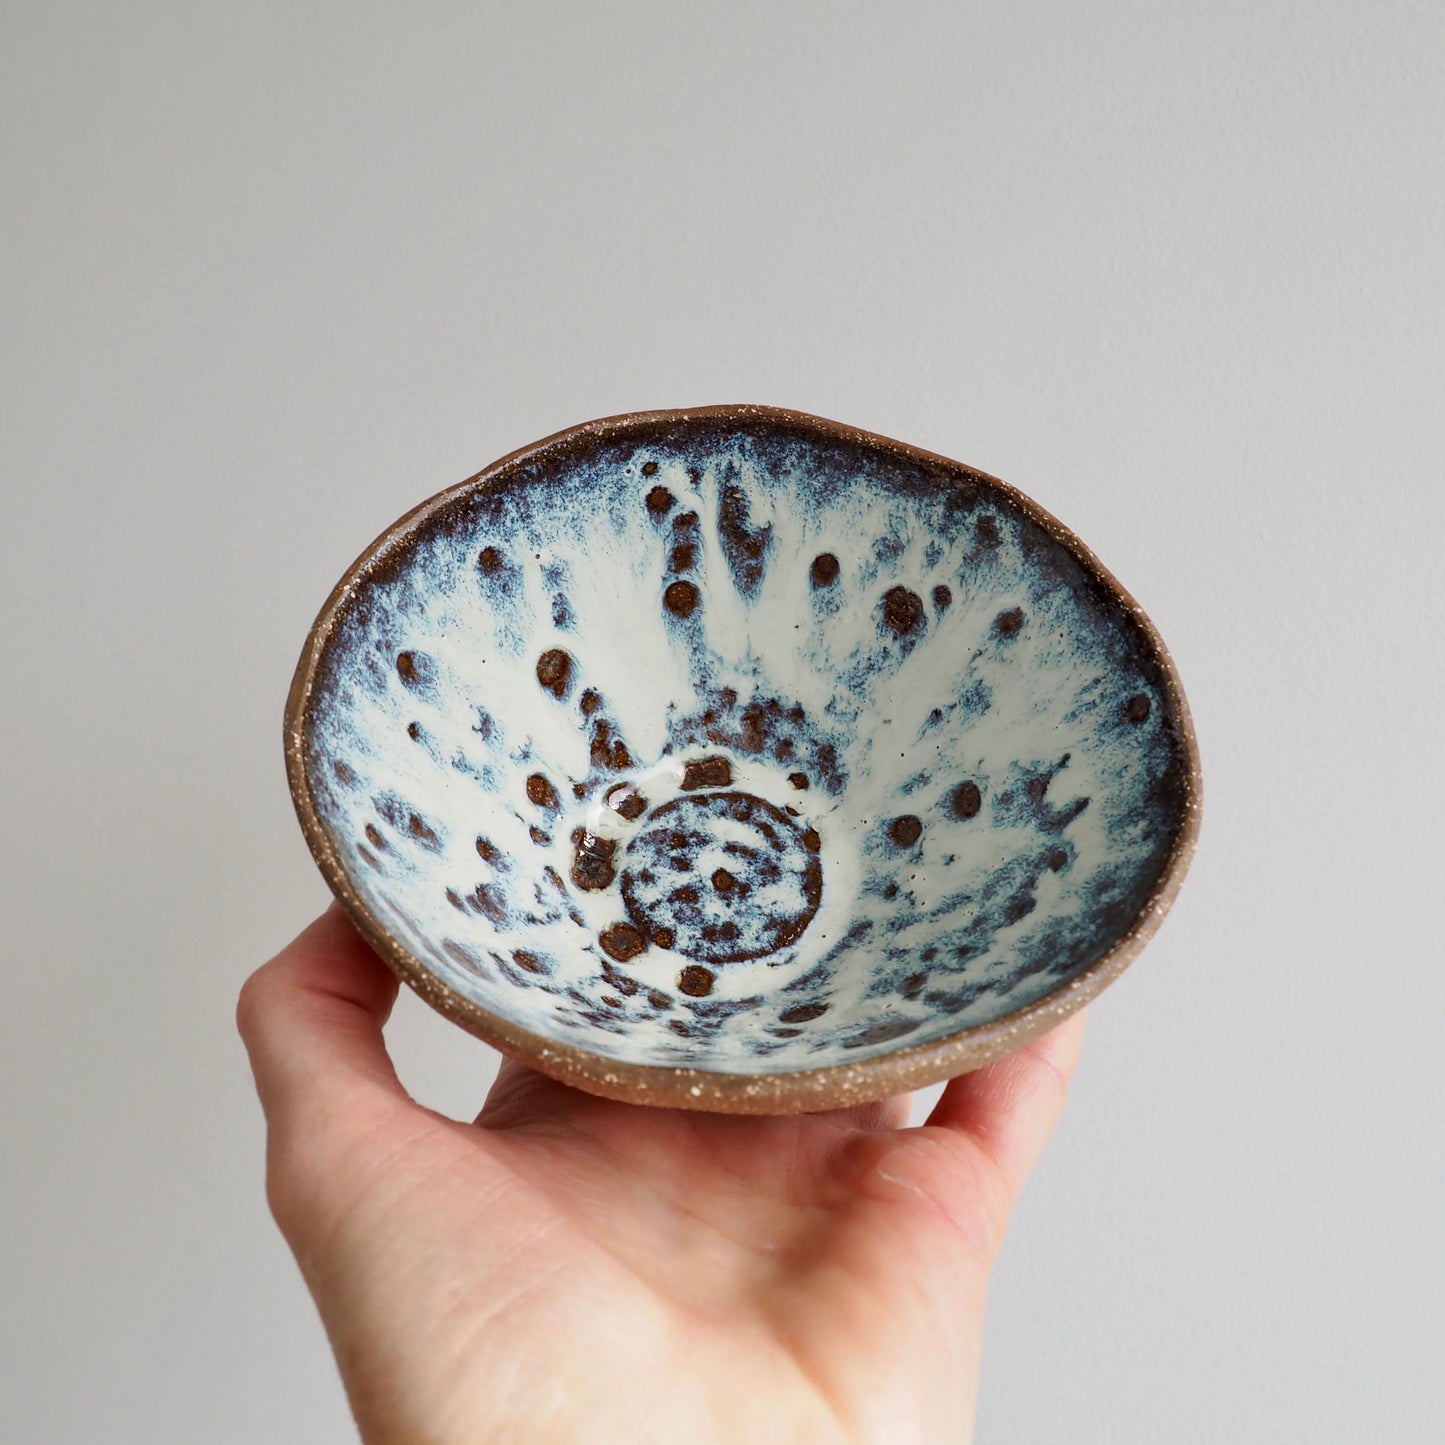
[740, 747]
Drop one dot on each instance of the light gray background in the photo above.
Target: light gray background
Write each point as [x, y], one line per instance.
[274, 274]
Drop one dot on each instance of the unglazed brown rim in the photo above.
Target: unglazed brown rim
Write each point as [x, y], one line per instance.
[805, 1090]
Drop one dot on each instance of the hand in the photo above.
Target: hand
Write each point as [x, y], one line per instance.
[571, 1269]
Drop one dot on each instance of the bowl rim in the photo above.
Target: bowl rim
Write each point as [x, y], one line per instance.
[807, 1090]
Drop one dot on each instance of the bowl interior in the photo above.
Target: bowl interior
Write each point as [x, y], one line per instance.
[742, 744]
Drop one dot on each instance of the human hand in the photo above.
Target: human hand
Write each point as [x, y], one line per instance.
[571, 1269]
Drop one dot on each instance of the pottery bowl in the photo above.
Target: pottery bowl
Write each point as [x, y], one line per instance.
[739, 760]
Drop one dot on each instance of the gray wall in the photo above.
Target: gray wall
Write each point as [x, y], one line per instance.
[274, 274]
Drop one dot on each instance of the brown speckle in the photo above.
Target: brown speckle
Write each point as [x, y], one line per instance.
[684, 557]
[912, 986]
[608, 1001]
[659, 499]
[1055, 860]
[592, 867]
[607, 751]
[744, 546]
[811, 841]
[541, 792]
[413, 731]
[680, 1027]
[626, 804]
[529, 961]
[662, 937]
[707, 773]
[905, 831]
[1007, 624]
[798, 780]
[825, 762]
[824, 571]
[418, 828]
[882, 1032]
[987, 532]
[659, 1000]
[803, 1013]
[554, 671]
[965, 800]
[649, 469]
[488, 850]
[590, 701]
[345, 774]
[1137, 708]
[724, 881]
[540, 838]
[373, 836]
[406, 666]
[1019, 907]
[754, 732]
[696, 981]
[490, 560]
[487, 899]
[622, 941]
[681, 599]
[622, 982]
[902, 610]
[942, 597]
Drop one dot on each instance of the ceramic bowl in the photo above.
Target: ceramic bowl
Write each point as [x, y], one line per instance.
[739, 760]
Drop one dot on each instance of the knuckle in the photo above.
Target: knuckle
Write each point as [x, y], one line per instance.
[250, 1004]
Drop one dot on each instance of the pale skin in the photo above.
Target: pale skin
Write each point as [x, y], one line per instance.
[570, 1269]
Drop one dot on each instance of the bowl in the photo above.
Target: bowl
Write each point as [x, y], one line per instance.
[735, 759]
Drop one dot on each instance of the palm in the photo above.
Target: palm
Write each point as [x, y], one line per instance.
[601, 1271]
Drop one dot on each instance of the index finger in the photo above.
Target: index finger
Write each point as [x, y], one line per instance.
[1009, 1108]
[311, 1020]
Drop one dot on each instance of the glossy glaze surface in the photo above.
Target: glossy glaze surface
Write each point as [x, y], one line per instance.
[739, 743]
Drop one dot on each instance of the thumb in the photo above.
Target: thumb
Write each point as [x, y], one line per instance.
[311, 1020]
